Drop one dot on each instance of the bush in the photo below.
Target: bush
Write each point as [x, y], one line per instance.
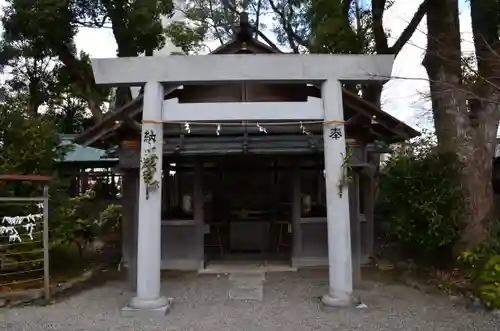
[489, 289]
[28, 146]
[422, 200]
[484, 264]
[81, 219]
[110, 219]
[31, 145]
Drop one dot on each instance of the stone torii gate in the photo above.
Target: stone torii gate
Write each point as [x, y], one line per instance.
[160, 73]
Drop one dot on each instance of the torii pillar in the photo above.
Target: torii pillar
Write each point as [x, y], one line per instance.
[327, 70]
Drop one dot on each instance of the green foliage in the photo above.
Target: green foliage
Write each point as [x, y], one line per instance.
[46, 29]
[489, 290]
[483, 262]
[110, 218]
[346, 178]
[422, 199]
[28, 145]
[81, 219]
[52, 24]
[337, 27]
[207, 21]
[485, 270]
[74, 227]
[187, 36]
[74, 221]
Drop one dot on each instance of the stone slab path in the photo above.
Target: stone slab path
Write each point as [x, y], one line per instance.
[290, 302]
[246, 286]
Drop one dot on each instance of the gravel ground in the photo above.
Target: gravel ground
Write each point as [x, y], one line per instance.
[290, 303]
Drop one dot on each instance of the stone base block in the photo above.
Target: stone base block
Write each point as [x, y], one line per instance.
[331, 303]
[130, 311]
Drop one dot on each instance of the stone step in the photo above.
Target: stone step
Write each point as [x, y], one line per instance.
[253, 294]
[237, 276]
[246, 286]
[246, 282]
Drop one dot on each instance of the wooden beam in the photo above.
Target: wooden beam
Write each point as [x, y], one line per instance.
[240, 111]
[28, 178]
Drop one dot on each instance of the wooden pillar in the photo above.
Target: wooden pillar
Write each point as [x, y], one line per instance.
[368, 191]
[85, 181]
[355, 226]
[198, 210]
[296, 212]
[130, 194]
[127, 218]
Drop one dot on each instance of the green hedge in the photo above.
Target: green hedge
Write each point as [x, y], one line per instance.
[422, 201]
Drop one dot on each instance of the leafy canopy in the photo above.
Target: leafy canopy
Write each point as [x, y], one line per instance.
[48, 28]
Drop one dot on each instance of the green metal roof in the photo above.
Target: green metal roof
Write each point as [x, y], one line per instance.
[80, 153]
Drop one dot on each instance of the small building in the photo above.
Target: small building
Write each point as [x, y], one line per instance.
[248, 190]
[86, 166]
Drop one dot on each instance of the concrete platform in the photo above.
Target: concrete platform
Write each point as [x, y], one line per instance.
[229, 267]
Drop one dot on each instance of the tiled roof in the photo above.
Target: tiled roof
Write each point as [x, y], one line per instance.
[80, 153]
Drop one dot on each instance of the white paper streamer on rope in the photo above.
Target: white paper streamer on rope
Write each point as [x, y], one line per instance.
[18, 220]
[13, 221]
[303, 129]
[261, 128]
[12, 232]
[29, 228]
[187, 127]
[217, 129]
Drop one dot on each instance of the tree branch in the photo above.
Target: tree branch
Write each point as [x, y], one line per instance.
[485, 32]
[216, 30]
[346, 6]
[95, 23]
[83, 81]
[267, 40]
[410, 28]
[257, 18]
[230, 7]
[293, 38]
[381, 45]
[229, 12]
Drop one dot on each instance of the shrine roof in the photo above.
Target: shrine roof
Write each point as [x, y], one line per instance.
[83, 154]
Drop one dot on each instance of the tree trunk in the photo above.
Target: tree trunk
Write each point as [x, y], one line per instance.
[486, 115]
[443, 64]
[85, 82]
[467, 132]
[478, 179]
[373, 93]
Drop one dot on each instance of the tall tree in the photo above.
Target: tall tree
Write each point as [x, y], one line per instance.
[211, 20]
[29, 73]
[485, 114]
[51, 25]
[466, 112]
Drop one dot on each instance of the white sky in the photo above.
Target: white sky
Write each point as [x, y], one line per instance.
[405, 96]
